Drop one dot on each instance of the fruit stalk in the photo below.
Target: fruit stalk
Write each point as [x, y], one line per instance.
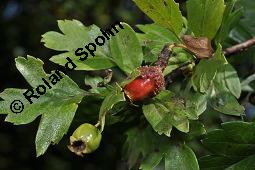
[164, 56]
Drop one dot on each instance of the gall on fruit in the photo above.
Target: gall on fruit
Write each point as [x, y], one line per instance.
[85, 139]
[148, 84]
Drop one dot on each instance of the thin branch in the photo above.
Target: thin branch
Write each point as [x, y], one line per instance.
[164, 56]
[170, 78]
[239, 47]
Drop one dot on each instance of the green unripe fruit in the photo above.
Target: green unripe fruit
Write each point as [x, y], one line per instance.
[85, 139]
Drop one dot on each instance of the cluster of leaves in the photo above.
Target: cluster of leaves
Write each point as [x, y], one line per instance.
[59, 104]
[171, 116]
[232, 147]
[158, 151]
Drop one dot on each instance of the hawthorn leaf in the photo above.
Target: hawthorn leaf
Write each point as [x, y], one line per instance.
[145, 146]
[110, 100]
[218, 143]
[205, 17]
[56, 107]
[155, 37]
[240, 132]
[204, 74]
[232, 80]
[165, 95]
[206, 71]
[76, 35]
[196, 103]
[217, 161]
[156, 34]
[196, 129]
[165, 13]
[180, 157]
[231, 147]
[226, 103]
[230, 19]
[219, 82]
[243, 164]
[137, 144]
[179, 57]
[98, 62]
[166, 111]
[151, 161]
[227, 80]
[53, 126]
[217, 75]
[177, 114]
[125, 49]
[156, 114]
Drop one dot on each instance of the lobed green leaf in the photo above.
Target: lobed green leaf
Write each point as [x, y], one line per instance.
[126, 50]
[76, 35]
[205, 17]
[163, 12]
[56, 107]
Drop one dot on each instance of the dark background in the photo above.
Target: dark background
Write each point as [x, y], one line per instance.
[22, 22]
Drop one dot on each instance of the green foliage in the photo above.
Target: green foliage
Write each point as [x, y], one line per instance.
[204, 74]
[56, 107]
[227, 104]
[93, 82]
[161, 130]
[165, 13]
[137, 144]
[232, 147]
[157, 150]
[120, 46]
[231, 80]
[76, 35]
[165, 112]
[230, 18]
[196, 103]
[113, 98]
[97, 85]
[247, 21]
[181, 157]
[155, 37]
[205, 17]
[219, 76]
[97, 63]
[206, 71]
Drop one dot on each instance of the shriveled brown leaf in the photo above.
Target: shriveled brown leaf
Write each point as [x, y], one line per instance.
[200, 46]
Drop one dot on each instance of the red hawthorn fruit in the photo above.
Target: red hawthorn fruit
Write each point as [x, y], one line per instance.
[147, 84]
